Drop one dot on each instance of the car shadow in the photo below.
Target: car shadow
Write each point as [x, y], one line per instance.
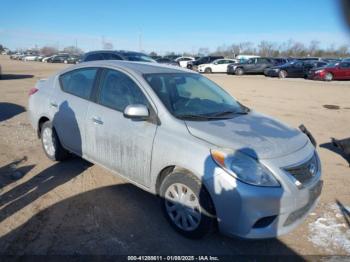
[15, 77]
[9, 110]
[26, 193]
[10, 172]
[113, 220]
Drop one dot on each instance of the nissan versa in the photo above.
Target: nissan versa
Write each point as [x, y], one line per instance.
[211, 160]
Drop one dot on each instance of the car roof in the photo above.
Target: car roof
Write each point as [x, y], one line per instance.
[138, 68]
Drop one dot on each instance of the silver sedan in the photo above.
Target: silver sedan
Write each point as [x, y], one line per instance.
[213, 161]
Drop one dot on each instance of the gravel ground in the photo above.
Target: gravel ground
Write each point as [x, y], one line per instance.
[78, 208]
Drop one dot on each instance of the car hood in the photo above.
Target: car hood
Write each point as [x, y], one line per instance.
[253, 134]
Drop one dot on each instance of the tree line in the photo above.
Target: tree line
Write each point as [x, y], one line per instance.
[286, 49]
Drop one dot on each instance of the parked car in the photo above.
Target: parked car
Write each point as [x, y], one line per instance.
[30, 58]
[116, 55]
[58, 58]
[180, 136]
[183, 60]
[167, 61]
[295, 68]
[171, 57]
[202, 60]
[14, 56]
[72, 59]
[252, 65]
[0, 72]
[217, 66]
[280, 61]
[309, 58]
[332, 71]
[45, 59]
[243, 58]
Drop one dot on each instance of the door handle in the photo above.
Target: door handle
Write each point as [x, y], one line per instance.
[53, 104]
[97, 120]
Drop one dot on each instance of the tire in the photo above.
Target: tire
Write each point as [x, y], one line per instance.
[282, 74]
[51, 144]
[200, 218]
[328, 77]
[208, 70]
[239, 71]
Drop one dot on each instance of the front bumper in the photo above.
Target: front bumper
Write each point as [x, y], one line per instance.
[263, 212]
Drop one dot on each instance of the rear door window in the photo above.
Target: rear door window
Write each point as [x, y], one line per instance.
[79, 82]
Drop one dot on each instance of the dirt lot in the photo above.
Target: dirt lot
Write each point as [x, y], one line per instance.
[78, 208]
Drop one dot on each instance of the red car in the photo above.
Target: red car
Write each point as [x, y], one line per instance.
[337, 71]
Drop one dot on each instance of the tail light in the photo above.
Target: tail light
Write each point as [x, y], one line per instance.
[33, 91]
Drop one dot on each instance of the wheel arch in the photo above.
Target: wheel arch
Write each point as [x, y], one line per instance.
[41, 121]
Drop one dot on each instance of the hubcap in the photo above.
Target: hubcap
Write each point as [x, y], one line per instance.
[49, 141]
[328, 77]
[183, 206]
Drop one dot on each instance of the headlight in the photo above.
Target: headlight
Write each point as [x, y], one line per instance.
[276, 69]
[318, 71]
[244, 168]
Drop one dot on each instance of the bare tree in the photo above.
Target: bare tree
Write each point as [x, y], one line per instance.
[72, 50]
[313, 47]
[266, 48]
[107, 46]
[48, 50]
[343, 50]
[203, 51]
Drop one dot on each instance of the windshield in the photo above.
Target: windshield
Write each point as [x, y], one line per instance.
[188, 95]
[139, 57]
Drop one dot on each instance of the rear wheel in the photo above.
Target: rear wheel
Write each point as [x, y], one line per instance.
[187, 205]
[282, 74]
[208, 70]
[239, 71]
[328, 77]
[51, 144]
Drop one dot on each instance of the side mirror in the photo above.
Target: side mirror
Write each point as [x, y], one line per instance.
[215, 63]
[136, 111]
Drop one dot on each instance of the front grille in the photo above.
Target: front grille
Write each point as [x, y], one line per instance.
[306, 172]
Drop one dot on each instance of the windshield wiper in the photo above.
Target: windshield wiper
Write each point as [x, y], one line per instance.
[229, 112]
[194, 117]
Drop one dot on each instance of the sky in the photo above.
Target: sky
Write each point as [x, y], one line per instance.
[168, 25]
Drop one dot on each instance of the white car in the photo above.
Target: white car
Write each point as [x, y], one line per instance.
[45, 59]
[183, 60]
[217, 66]
[29, 58]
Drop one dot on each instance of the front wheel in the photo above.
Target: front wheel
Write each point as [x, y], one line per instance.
[51, 144]
[282, 74]
[328, 77]
[239, 71]
[208, 70]
[187, 205]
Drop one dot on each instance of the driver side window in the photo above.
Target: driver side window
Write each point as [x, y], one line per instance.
[118, 90]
